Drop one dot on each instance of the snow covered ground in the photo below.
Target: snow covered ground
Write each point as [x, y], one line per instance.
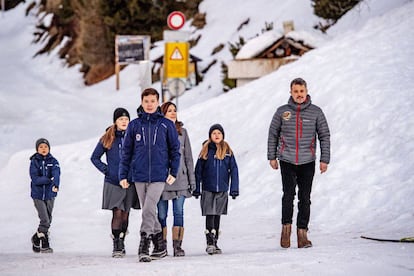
[361, 76]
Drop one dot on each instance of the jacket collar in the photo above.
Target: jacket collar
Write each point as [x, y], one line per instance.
[303, 105]
[149, 116]
[39, 156]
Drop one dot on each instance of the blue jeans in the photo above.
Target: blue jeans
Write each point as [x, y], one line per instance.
[178, 211]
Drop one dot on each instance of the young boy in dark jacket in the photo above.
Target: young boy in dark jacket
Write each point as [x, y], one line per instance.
[45, 176]
[151, 151]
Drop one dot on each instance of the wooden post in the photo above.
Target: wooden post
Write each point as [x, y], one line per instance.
[117, 69]
[288, 26]
[3, 7]
[117, 66]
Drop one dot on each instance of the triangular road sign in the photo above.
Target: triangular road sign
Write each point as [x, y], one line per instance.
[176, 54]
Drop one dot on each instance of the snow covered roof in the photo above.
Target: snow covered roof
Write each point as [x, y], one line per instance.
[256, 45]
[259, 44]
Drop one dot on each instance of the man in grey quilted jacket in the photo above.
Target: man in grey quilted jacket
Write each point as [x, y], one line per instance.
[292, 139]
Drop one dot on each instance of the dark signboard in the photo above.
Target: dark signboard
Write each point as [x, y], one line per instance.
[132, 49]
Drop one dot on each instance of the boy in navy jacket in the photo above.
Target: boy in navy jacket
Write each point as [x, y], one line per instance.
[45, 176]
[151, 151]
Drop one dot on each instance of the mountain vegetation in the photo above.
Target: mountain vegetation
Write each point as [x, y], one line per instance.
[332, 10]
[83, 31]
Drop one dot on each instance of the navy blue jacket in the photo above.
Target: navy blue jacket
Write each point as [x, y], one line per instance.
[215, 174]
[151, 149]
[44, 173]
[113, 156]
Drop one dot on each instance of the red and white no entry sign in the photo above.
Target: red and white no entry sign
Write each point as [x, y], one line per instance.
[175, 20]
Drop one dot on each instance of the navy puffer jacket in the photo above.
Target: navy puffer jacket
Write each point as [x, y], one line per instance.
[44, 173]
[215, 174]
[113, 156]
[151, 149]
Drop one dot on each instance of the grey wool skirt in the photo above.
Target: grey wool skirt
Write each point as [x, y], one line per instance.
[214, 203]
[116, 197]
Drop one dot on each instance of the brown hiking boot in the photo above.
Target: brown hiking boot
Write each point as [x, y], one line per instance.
[285, 236]
[303, 241]
[178, 234]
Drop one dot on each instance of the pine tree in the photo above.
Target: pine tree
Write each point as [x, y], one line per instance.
[331, 11]
[89, 28]
[10, 4]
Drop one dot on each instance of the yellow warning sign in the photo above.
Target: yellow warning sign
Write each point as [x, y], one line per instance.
[176, 59]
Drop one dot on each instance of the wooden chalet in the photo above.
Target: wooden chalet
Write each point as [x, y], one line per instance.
[284, 49]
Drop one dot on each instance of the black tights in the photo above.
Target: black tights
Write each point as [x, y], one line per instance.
[119, 221]
[213, 222]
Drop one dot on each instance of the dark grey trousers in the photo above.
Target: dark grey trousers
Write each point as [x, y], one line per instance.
[44, 210]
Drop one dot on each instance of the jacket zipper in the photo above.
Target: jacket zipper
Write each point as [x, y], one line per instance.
[283, 145]
[120, 146]
[44, 174]
[312, 146]
[143, 134]
[217, 162]
[155, 135]
[149, 150]
[297, 132]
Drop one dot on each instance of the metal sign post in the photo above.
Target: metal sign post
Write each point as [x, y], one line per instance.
[3, 7]
[176, 55]
[177, 88]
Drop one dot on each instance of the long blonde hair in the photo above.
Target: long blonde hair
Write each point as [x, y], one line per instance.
[223, 148]
[109, 137]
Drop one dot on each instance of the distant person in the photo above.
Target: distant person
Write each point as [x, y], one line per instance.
[45, 180]
[115, 198]
[292, 139]
[151, 151]
[181, 188]
[216, 170]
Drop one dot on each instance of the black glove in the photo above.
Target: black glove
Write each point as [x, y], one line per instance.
[196, 194]
[234, 194]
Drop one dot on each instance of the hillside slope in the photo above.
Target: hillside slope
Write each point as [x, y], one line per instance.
[361, 79]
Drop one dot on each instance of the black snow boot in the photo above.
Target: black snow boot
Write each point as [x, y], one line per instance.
[44, 243]
[143, 251]
[36, 242]
[160, 250]
[216, 236]
[119, 246]
[211, 249]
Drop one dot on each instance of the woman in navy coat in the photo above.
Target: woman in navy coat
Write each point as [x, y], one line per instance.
[115, 198]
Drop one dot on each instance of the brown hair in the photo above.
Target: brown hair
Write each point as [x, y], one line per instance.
[109, 137]
[223, 148]
[164, 109]
[150, 91]
[299, 81]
